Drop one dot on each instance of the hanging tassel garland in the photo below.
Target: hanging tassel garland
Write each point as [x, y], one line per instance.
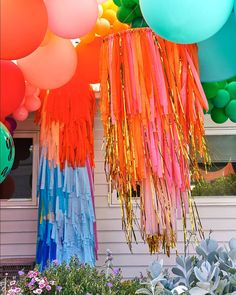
[152, 109]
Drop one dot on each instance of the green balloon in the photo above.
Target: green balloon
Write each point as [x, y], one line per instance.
[222, 99]
[136, 1]
[125, 15]
[222, 84]
[231, 87]
[218, 116]
[117, 2]
[231, 80]
[7, 153]
[210, 89]
[139, 22]
[128, 3]
[230, 110]
[138, 11]
[210, 107]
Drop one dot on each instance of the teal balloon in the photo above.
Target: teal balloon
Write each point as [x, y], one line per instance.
[230, 110]
[231, 87]
[210, 89]
[139, 22]
[217, 58]
[7, 152]
[125, 15]
[218, 116]
[186, 21]
[222, 99]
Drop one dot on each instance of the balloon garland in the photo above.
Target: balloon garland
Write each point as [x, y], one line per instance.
[222, 100]
[151, 106]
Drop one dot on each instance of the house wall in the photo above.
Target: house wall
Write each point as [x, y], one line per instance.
[19, 225]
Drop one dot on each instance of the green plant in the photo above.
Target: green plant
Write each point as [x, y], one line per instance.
[223, 186]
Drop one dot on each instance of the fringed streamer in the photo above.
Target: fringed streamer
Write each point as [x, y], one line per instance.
[152, 109]
[65, 187]
[66, 214]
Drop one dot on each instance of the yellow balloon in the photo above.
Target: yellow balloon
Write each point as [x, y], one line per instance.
[102, 27]
[100, 10]
[110, 15]
[107, 4]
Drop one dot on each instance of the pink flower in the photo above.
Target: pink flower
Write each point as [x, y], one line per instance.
[38, 291]
[12, 283]
[18, 290]
[48, 287]
[41, 285]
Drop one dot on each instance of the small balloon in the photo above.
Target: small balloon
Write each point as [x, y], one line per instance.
[100, 10]
[125, 14]
[222, 84]
[32, 103]
[110, 15]
[210, 89]
[118, 26]
[222, 98]
[230, 110]
[12, 123]
[7, 154]
[231, 87]
[139, 22]
[21, 114]
[218, 116]
[102, 27]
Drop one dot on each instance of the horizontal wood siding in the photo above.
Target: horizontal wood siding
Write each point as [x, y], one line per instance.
[18, 226]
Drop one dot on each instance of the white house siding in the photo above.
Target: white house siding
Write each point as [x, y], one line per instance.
[19, 225]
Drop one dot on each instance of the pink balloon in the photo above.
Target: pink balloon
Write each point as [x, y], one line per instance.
[32, 103]
[71, 19]
[101, 1]
[50, 66]
[21, 114]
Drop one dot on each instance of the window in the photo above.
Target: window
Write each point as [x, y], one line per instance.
[220, 180]
[19, 187]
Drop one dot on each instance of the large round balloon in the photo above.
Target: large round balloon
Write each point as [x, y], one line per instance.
[23, 26]
[71, 18]
[50, 66]
[7, 154]
[217, 56]
[12, 88]
[182, 21]
[230, 110]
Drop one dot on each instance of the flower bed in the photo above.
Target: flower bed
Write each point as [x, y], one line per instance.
[211, 271]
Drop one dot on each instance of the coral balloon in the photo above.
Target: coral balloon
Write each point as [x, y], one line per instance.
[32, 103]
[7, 154]
[12, 89]
[71, 18]
[182, 21]
[102, 27]
[88, 61]
[23, 27]
[50, 66]
[21, 114]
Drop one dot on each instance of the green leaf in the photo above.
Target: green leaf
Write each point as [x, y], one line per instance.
[143, 291]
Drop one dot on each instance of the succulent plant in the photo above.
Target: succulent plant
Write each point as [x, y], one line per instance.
[184, 270]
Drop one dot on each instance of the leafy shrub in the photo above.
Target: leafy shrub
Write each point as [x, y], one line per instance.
[223, 186]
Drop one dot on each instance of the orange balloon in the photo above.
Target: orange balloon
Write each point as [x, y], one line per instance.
[88, 38]
[50, 66]
[110, 15]
[23, 27]
[88, 61]
[102, 27]
[118, 26]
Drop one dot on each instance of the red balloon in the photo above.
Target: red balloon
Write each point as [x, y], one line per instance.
[88, 60]
[12, 89]
[23, 27]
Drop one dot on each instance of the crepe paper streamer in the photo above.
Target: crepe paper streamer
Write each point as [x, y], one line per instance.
[152, 106]
[66, 214]
[66, 225]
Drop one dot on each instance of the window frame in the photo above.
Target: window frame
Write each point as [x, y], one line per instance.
[25, 202]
